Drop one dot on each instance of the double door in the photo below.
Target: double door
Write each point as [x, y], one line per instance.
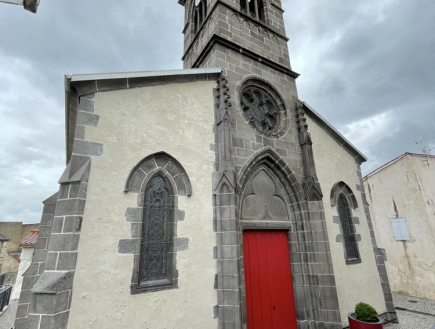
[268, 280]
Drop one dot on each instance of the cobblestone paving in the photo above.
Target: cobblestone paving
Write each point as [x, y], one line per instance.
[7, 319]
[409, 319]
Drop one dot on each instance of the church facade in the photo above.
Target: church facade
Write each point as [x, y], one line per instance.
[209, 197]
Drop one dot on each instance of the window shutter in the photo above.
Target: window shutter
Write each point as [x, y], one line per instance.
[400, 229]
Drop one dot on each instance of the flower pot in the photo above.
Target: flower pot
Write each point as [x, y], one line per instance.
[356, 324]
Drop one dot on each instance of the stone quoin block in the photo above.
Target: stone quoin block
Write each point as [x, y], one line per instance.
[87, 119]
[82, 147]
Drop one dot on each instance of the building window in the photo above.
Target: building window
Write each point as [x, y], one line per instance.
[348, 230]
[255, 8]
[400, 229]
[199, 14]
[156, 252]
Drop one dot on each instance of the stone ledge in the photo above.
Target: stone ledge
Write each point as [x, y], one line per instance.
[52, 282]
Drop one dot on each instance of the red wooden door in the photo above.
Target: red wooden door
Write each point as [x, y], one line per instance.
[269, 288]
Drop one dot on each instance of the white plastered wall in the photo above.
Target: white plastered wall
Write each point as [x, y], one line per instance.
[26, 258]
[134, 123]
[406, 189]
[358, 282]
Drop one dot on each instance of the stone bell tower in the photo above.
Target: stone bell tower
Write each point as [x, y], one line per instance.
[262, 144]
[247, 39]
[241, 36]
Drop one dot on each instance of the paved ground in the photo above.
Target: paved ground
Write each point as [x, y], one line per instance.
[7, 319]
[413, 313]
[409, 311]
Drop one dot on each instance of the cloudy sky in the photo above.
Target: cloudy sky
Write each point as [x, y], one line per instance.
[367, 66]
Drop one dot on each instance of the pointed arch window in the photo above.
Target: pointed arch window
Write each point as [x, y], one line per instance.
[348, 230]
[199, 14]
[255, 8]
[156, 252]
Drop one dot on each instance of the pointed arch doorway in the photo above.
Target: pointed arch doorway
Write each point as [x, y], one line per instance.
[265, 221]
[266, 196]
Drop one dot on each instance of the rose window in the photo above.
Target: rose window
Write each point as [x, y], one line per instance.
[261, 110]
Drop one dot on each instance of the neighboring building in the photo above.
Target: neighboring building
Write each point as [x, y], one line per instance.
[14, 232]
[402, 207]
[178, 182]
[30, 5]
[2, 241]
[26, 257]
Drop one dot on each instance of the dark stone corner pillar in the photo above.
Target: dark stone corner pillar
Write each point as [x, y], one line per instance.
[37, 267]
[46, 300]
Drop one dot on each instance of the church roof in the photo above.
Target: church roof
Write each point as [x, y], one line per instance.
[30, 240]
[335, 134]
[144, 74]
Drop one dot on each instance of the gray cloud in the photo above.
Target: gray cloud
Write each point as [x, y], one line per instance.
[370, 58]
[368, 67]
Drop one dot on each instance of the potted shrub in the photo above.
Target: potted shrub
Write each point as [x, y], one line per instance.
[365, 317]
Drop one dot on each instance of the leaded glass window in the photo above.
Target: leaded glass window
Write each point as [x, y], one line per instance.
[156, 242]
[348, 230]
[260, 110]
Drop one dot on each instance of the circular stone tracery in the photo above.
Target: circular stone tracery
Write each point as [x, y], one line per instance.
[261, 110]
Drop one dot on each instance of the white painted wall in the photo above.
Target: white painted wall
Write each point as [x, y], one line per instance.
[135, 123]
[26, 258]
[359, 282]
[406, 189]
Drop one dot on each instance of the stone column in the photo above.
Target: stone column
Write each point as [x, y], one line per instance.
[225, 223]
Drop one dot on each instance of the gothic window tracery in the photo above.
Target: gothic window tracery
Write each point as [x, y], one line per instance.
[156, 239]
[260, 109]
[348, 230]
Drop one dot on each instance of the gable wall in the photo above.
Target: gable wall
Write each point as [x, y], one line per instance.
[406, 189]
[134, 123]
[358, 282]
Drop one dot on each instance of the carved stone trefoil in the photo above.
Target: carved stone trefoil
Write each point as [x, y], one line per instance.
[263, 200]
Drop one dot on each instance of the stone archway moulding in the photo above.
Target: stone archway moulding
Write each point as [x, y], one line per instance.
[342, 187]
[163, 161]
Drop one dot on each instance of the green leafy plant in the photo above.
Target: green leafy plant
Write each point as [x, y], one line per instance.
[366, 313]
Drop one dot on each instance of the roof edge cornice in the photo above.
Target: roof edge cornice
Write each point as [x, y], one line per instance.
[335, 134]
[397, 159]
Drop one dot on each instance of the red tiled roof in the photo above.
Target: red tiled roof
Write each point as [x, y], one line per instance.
[30, 240]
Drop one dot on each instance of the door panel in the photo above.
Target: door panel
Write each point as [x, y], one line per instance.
[268, 280]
